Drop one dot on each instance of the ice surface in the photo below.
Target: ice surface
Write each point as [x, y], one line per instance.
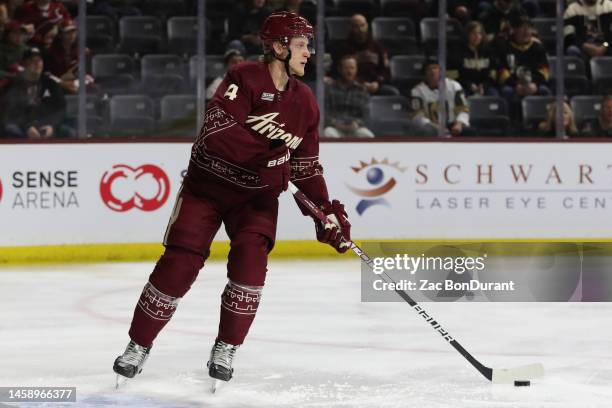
[313, 343]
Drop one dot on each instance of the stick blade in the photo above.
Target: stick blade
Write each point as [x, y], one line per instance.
[509, 375]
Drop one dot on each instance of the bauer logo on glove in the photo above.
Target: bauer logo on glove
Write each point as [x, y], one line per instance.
[275, 169]
[280, 160]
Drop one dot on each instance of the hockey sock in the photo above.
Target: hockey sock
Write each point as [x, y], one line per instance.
[152, 313]
[172, 277]
[239, 305]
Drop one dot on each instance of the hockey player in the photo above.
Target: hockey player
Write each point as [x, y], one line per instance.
[260, 131]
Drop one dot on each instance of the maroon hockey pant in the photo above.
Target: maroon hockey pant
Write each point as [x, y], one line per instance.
[250, 222]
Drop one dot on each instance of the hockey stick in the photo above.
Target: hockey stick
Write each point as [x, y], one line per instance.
[496, 375]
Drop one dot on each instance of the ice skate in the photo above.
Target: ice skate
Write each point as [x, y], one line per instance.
[130, 362]
[220, 363]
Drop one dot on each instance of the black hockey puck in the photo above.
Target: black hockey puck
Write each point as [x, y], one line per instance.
[522, 383]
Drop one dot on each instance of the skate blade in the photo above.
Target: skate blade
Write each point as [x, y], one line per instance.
[120, 381]
[214, 385]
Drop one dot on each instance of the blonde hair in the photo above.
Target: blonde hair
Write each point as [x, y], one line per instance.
[551, 118]
[473, 25]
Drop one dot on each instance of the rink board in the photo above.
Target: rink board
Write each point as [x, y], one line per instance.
[84, 194]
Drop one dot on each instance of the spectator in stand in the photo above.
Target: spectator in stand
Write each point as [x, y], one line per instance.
[474, 64]
[7, 11]
[346, 102]
[44, 36]
[602, 126]
[463, 10]
[524, 68]
[37, 12]
[372, 58]
[62, 58]
[425, 104]
[496, 20]
[547, 128]
[244, 27]
[12, 49]
[304, 8]
[231, 57]
[34, 103]
[4, 17]
[588, 28]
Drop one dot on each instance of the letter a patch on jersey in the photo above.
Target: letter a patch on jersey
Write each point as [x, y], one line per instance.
[267, 96]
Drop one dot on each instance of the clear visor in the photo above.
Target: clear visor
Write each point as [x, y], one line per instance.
[301, 44]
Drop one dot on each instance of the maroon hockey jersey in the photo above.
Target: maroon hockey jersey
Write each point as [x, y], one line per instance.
[245, 114]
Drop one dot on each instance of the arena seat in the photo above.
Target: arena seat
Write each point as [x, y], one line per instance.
[396, 34]
[215, 66]
[140, 35]
[574, 69]
[337, 30]
[178, 115]
[585, 107]
[406, 72]
[489, 115]
[114, 73]
[389, 115]
[162, 74]
[601, 71]
[547, 33]
[369, 8]
[183, 35]
[100, 34]
[429, 33]
[131, 115]
[534, 109]
[93, 112]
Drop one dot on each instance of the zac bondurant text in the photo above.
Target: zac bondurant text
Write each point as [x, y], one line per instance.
[448, 284]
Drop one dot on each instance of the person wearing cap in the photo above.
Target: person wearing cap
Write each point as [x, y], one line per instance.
[424, 100]
[44, 36]
[523, 66]
[231, 58]
[62, 58]
[34, 103]
[12, 49]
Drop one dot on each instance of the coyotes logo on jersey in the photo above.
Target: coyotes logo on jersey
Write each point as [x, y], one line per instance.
[266, 126]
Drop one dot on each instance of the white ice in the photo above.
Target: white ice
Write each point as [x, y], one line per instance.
[313, 343]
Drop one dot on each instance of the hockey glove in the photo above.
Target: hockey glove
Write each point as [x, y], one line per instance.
[275, 169]
[337, 230]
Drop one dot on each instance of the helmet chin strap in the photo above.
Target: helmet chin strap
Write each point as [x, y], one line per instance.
[285, 61]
